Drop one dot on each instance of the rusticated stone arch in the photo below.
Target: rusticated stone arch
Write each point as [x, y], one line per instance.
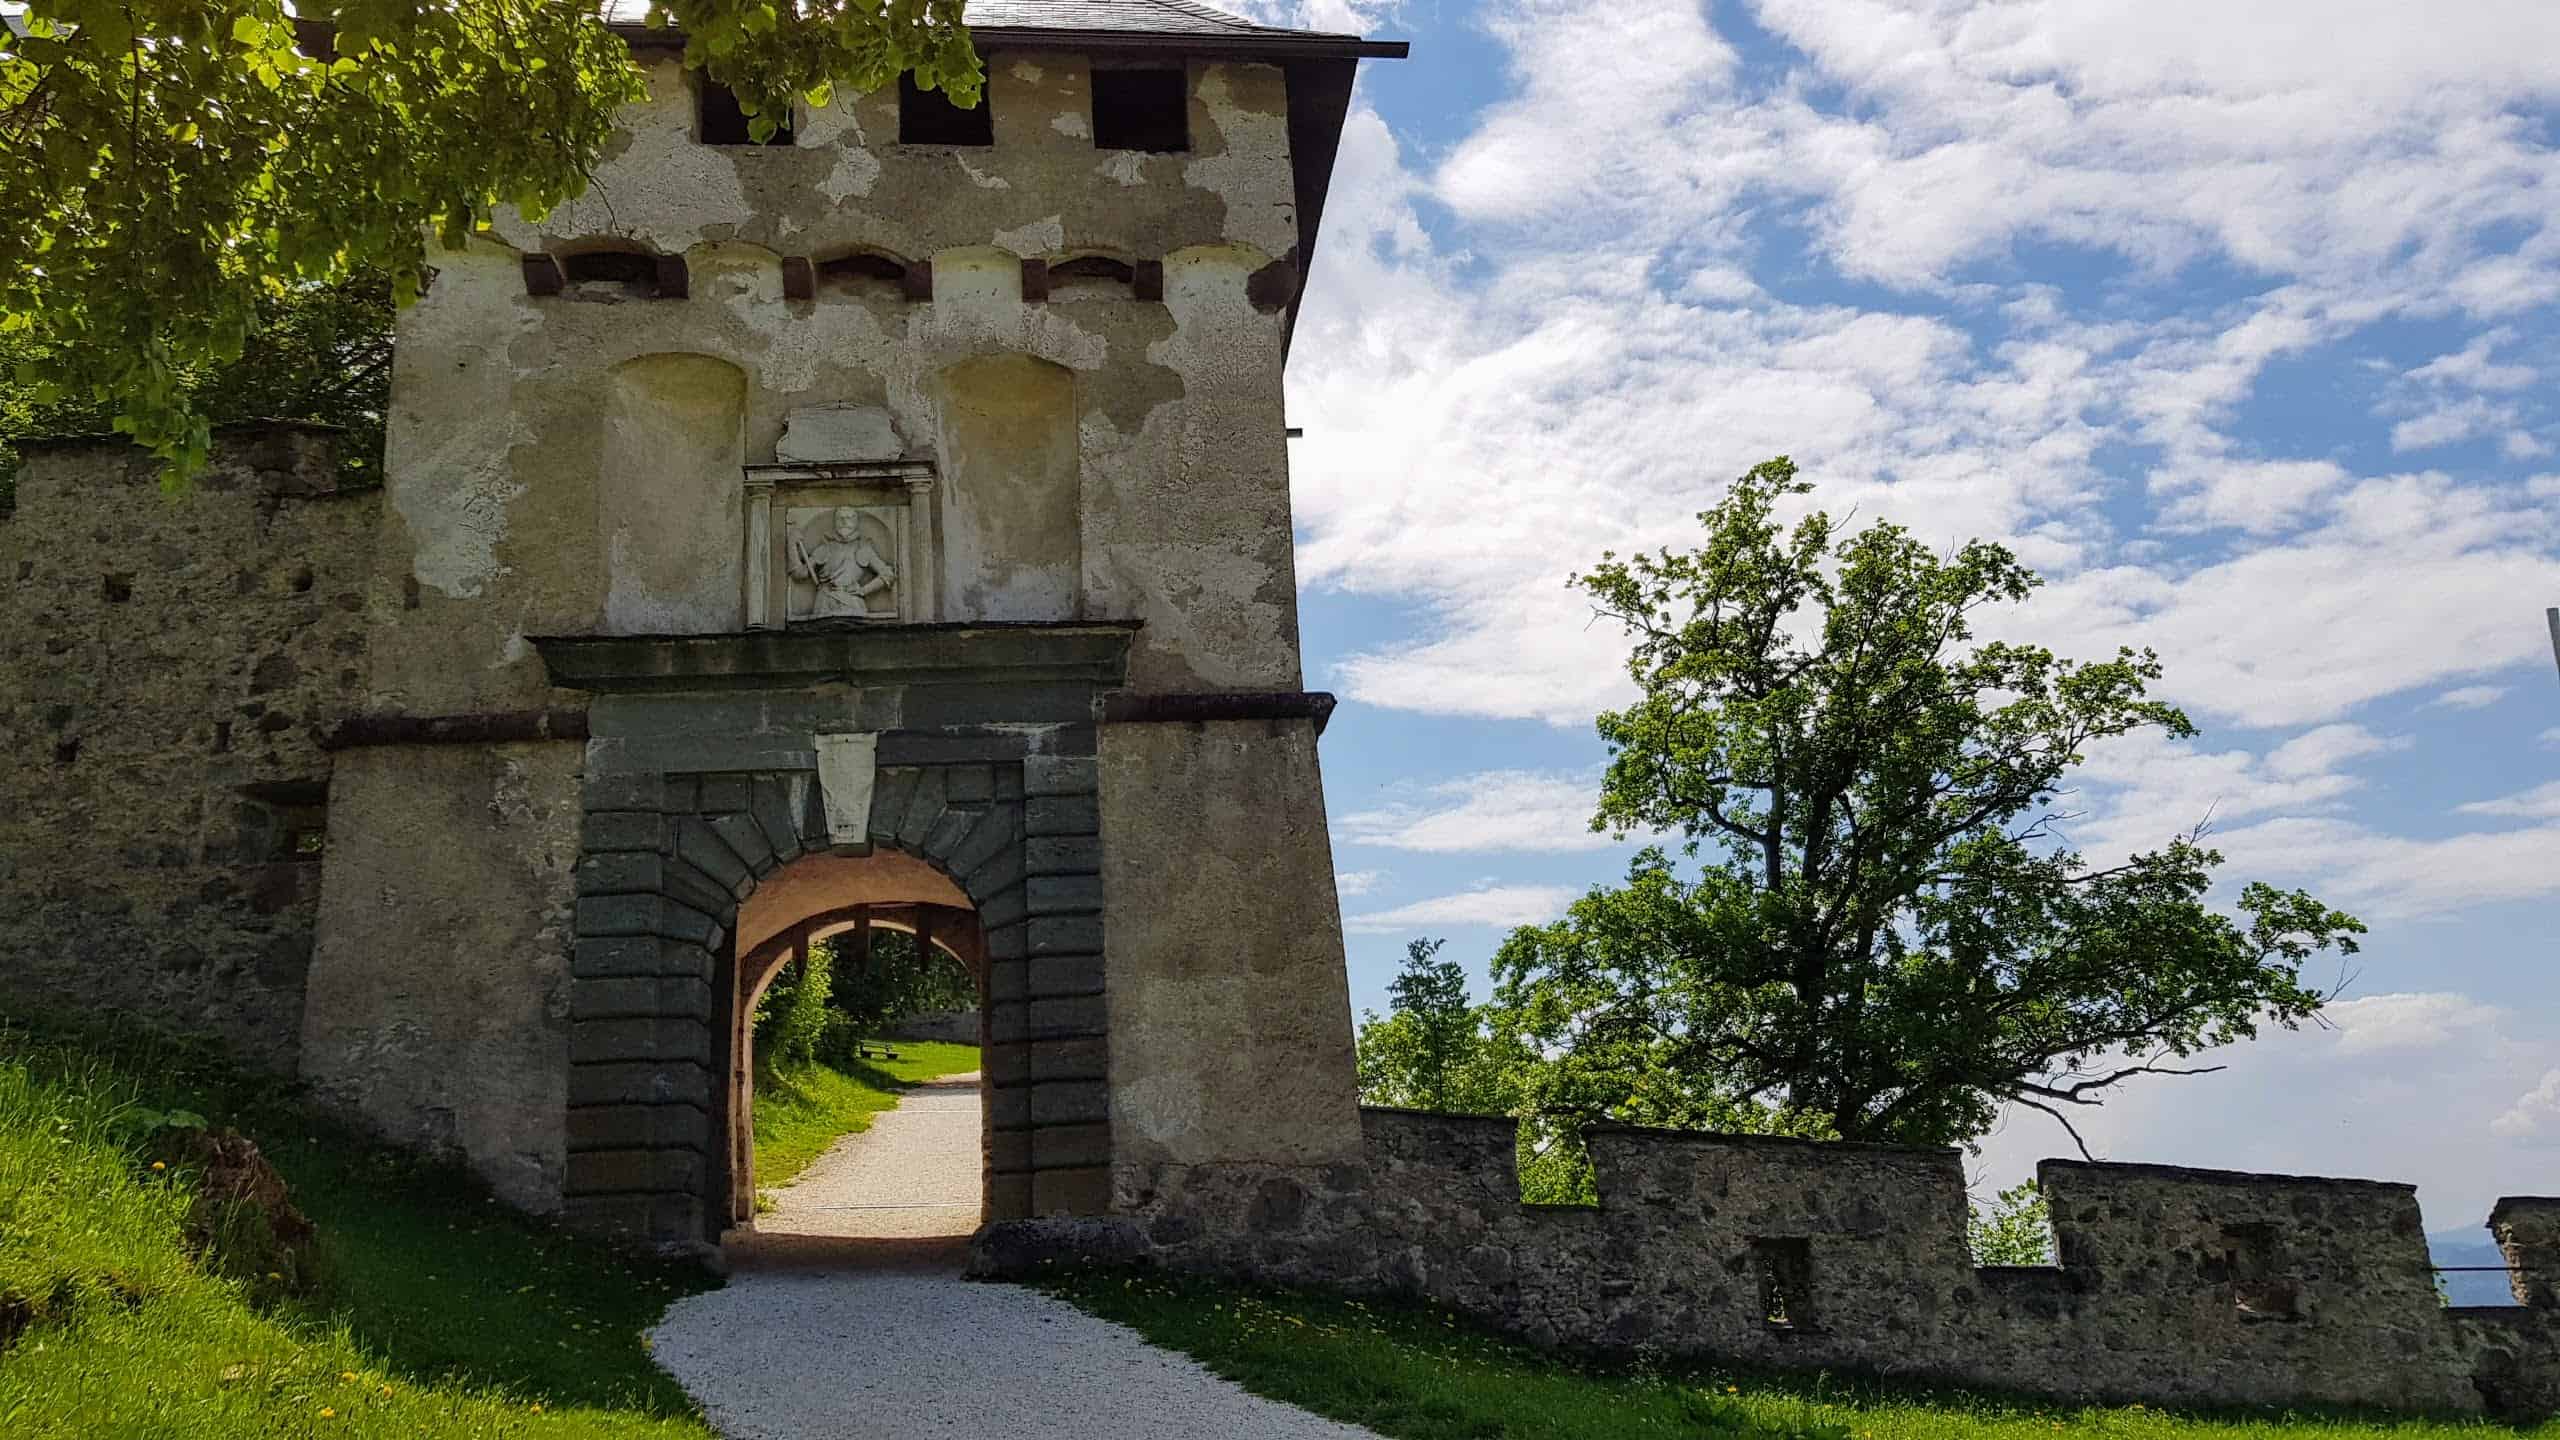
[669, 857]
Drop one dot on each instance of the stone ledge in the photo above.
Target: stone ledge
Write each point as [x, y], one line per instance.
[1129, 708]
[1094, 654]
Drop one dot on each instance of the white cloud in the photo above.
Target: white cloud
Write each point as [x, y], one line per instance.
[1352, 884]
[2549, 739]
[2542, 802]
[2393, 1024]
[1492, 811]
[2535, 1117]
[1501, 906]
[2471, 697]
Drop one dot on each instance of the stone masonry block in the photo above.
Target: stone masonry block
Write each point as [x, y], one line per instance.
[1066, 934]
[723, 793]
[1009, 1197]
[1070, 1102]
[1009, 942]
[624, 792]
[924, 807]
[1008, 980]
[641, 1038]
[637, 1127]
[1062, 1147]
[1065, 975]
[1009, 1019]
[998, 910]
[949, 829]
[622, 872]
[626, 998]
[889, 796]
[702, 848]
[626, 830]
[996, 874]
[772, 810]
[1008, 782]
[1009, 1107]
[1058, 1019]
[640, 1082]
[661, 1219]
[609, 915]
[1061, 815]
[1088, 1058]
[623, 1172]
[1009, 1150]
[690, 886]
[1071, 1192]
[969, 784]
[1060, 775]
[1064, 894]
[1063, 855]
[745, 839]
[992, 833]
[638, 956]
[1007, 1064]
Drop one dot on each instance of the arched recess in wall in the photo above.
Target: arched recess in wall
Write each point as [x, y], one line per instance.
[1091, 277]
[669, 536]
[864, 275]
[1012, 526]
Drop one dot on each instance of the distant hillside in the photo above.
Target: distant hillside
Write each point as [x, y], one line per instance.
[2471, 1247]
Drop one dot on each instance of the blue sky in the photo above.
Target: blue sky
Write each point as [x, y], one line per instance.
[2241, 328]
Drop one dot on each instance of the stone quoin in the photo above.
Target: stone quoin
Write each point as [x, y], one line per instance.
[889, 527]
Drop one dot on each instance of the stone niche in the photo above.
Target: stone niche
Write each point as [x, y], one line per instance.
[848, 541]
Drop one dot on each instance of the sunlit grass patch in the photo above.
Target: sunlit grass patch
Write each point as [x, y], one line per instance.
[803, 1111]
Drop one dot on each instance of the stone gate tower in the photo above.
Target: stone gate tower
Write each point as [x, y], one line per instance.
[885, 524]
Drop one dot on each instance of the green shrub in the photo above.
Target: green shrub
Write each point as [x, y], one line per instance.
[792, 1021]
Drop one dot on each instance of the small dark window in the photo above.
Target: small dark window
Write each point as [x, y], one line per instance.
[1141, 110]
[606, 274]
[1786, 1282]
[850, 274]
[1092, 267]
[927, 117]
[2260, 1290]
[721, 122]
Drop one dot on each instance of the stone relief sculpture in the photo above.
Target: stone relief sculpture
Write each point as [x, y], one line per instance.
[846, 571]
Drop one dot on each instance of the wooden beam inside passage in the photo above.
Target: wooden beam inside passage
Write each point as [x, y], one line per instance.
[862, 940]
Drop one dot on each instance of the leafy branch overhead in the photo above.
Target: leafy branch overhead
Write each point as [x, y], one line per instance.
[1874, 927]
[173, 162]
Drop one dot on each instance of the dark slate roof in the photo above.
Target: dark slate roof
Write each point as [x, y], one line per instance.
[1150, 17]
[1182, 26]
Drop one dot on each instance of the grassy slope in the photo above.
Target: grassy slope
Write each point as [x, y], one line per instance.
[440, 1313]
[1420, 1374]
[802, 1112]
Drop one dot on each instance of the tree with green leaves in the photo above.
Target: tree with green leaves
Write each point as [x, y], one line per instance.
[173, 164]
[1880, 932]
[897, 979]
[2015, 1229]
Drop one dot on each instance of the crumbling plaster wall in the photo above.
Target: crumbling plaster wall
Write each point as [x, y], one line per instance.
[2178, 1286]
[169, 666]
[439, 1008]
[498, 437]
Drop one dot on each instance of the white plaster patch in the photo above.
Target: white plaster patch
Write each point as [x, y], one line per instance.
[1040, 237]
[663, 190]
[1256, 149]
[856, 171]
[981, 178]
[1125, 167]
[831, 434]
[1071, 123]
[453, 481]
[1028, 73]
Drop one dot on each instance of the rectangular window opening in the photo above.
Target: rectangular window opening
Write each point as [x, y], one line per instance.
[1785, 1268]
[927, 117]
[720, 121]
[1141, 110]
[2260, 1290]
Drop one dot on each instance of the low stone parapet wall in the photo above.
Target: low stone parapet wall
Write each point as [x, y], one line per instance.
[2175, 1286]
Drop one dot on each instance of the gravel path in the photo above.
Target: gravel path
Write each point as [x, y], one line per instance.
[847, 1319]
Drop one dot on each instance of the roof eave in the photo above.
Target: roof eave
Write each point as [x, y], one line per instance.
[1278, 45]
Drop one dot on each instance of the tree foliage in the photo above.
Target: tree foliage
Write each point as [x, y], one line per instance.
[317, 352]
[171, 163]
[899, 980]
[1881, 933]
[2015, 1229]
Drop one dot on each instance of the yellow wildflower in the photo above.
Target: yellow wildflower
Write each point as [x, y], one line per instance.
[346, 1374]
[327, 1413]
[159, 1164]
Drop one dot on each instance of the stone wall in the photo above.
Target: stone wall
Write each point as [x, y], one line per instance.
[948, 1027]
[2176, 1286]
[170, 668]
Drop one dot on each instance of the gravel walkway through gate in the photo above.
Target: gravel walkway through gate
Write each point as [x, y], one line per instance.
[847, 1319]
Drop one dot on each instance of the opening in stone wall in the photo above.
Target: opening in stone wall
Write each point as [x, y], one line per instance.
[830, 954]
[927, 117]
[720, 120]
[2260, 1289]
[1141, 110]
[1785, 1271]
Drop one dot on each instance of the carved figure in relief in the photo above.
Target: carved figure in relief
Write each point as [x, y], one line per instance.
[845, 568]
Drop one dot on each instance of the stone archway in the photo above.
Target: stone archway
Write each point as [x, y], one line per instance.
[668, 860]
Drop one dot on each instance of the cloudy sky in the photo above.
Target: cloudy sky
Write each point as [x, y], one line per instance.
[2240, 323]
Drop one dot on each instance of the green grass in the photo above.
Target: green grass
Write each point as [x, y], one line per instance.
[435, 1312]
[1421, 1374]
[801, 1112]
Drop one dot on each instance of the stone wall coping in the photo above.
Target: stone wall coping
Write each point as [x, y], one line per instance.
[1769, 1142]
[1133, 708]
[2189, 1176]
[965, 652]
[499, 727]
[109, 439]
[2511, 1203]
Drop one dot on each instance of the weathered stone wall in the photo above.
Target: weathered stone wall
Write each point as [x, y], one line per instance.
[948, 1027]
[169, 668]
[2178, 1286]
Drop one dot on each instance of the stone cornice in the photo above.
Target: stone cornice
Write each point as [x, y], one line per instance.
[851, 651]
